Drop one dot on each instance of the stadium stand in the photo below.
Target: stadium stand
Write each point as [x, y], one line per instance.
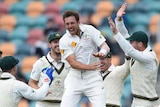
[34, 35]
[35, 8]
[4, 8]
[7, 22]
[8, 48]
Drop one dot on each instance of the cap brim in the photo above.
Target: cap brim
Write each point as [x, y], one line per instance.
[17, 61]
[129, 39]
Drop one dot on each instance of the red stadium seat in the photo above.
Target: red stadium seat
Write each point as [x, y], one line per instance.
[34, 35]
[52, 8]
[4, 8]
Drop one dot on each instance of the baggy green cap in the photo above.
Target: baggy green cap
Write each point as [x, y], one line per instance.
[53, 36]
[138, 36]
[8, 62]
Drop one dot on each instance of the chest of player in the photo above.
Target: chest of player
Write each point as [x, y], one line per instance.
[83, 44]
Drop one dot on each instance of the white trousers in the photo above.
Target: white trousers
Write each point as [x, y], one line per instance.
[87, 83]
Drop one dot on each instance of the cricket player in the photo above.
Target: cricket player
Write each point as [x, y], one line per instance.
[53, 58]
[12, 90]
[79, 47]
[143, 66]
[114, 78]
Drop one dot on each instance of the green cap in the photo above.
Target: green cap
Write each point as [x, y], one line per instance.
[8, 62]
[109, 55]
[53, 36]
[138, 36]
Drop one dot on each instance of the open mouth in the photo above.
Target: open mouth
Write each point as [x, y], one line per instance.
[102, 64]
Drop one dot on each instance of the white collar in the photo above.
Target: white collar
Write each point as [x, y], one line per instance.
[7, 75]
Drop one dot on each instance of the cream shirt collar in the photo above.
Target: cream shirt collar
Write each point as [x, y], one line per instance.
[109, 69]
[50, 58]
[7, 75]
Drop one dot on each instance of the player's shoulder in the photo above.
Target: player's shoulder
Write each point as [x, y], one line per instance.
[64, 37]
[40, 61]
[87, 26]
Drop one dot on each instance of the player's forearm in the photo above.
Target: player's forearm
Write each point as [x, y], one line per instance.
[33, 84]
[105, 47]
[121, 28]
[80, 66]
[37, 94]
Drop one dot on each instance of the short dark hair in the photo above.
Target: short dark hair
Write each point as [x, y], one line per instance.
[69, 13]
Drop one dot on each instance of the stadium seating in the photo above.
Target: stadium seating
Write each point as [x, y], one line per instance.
[4, 36]
[4, 8]
[27, 64]
[7, 22]
[10, 2]
[131, 2]
[52, 8]
[23, 21]
[39, 21]
[153, 24]
[8, 48]
[104, 8]
[34, 35]
[35, 8]
[61, 2]
[70, 6]
[19, 8]
[20, 33]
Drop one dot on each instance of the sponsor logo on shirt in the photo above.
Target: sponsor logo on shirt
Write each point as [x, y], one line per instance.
[73, 44]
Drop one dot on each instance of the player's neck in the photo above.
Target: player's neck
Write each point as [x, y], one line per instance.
[56, 56]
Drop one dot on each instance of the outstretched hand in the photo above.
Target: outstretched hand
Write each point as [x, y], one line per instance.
[112, 25]
[121, 11]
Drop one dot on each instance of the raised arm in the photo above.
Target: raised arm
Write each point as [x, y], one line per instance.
[119, 21]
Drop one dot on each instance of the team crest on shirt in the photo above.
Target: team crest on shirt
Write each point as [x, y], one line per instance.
[85, 37]
[73, 44]
[58, 83]
[62, 51]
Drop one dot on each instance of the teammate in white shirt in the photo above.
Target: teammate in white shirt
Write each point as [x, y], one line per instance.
[12, 90]
[114, 78]
[79, 47]
[144, 63]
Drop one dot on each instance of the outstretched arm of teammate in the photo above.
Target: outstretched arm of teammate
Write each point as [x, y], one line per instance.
[119, 21]
[23, 90]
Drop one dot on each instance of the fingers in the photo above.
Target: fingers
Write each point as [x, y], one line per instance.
[109, 18]
[98, 54]
[110, 21]
[124, 6]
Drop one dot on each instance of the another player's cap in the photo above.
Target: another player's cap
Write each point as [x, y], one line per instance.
[54, 35]
[109, 55]
[8, 62]
[138, 36]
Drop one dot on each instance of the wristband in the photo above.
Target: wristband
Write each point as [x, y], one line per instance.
[103, 51]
